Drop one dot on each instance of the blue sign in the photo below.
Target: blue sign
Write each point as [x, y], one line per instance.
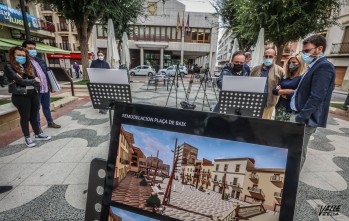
[14, 16]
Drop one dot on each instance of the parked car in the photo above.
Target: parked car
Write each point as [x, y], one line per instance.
[142, 70]
[172, 70]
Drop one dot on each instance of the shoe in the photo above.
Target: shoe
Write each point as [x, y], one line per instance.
[42, 136]
[29, 142]
[4, 189]
[103, 111]
[53, 125]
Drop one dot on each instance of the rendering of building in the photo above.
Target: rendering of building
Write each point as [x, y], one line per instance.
[264, 185]
[229, 174]
[156, 41]
[135, 159]
[125, 152]
[187, 155]
[202, 173]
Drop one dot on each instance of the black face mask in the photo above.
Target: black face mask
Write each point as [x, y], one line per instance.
[238, 67]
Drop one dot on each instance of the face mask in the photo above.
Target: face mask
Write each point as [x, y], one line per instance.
[307, 58]
[293, 67]
[268, 62]
[237, 67]
[101, 58]
[33, 53]
[21, 60]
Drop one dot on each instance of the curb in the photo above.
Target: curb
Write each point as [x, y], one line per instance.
[339, 112]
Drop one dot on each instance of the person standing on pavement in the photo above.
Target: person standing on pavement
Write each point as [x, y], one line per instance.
[100, 63]
[77, 69]
[311, 100]
[295, 67]
[274, 73]
[20, 72]
[40, 70]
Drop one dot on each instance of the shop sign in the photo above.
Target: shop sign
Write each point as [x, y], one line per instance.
[14, 16]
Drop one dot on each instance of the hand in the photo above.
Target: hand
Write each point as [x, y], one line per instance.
[284, 96]
[37, 79]
[278, 87]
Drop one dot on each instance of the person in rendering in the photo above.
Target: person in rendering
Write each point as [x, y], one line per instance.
[20, 72]
[234, 68]
[100, 63]
[311, 100]
[77, 69]
[274, 73]
[247, 65]
[40, 70]
[295, 67]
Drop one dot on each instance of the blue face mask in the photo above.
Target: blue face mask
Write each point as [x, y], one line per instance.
[33, 53]
[268, 62]
[307, 58]
[21, 60]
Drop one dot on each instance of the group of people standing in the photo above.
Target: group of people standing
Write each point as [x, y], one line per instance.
[30, 87]
[300, 92]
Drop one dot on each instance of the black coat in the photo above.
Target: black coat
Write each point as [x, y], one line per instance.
[228, 70]
[25, 80]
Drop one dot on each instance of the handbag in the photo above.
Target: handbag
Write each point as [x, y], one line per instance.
[14, 88]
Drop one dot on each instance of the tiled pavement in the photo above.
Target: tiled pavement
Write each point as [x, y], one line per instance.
[50, 180]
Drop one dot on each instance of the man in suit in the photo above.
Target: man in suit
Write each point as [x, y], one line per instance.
[274, 73]
[40, 69]
[311, 99]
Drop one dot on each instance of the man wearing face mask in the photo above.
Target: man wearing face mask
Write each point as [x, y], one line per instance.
[311, 100]
[40, 69]
[234, 68]
[100, 63]
[274, 73]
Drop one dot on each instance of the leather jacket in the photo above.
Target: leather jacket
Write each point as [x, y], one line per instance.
[25, 80]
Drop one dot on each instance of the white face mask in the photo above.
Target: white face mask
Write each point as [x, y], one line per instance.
[101, 58]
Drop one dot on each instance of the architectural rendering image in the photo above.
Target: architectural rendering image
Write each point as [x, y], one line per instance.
[189, 177]
[117, 214]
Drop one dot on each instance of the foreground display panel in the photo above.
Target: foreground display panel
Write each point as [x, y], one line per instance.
[170, 164]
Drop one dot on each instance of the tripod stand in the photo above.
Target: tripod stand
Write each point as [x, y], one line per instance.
[203, 85]
[175, 83]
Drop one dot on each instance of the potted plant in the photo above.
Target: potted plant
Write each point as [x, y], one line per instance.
[153, 201]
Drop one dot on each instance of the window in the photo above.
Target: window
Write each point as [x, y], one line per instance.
[194, 35]
[215, 177]
[101, 31]
[201, 35]
[235, 181]
[225, 167]
[173, 35]
[136, 31]
[207, 35]
[131, 32]
[237, 168]
[217, 167]
[48, 18]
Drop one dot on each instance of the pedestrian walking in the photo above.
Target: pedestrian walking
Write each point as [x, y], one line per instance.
[311, 99]
[295, 67]
[77, 69]
[274, 73]
[24, 87]
[40, 70]
[100, 63]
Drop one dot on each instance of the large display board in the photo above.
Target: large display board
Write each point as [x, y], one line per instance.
[170, 164]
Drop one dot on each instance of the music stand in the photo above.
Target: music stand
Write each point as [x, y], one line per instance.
[104, 96]
[248, 104]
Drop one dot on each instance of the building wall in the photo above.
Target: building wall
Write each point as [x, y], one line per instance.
[266, 185]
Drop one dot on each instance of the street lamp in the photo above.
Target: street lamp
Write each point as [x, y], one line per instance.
[25, 20]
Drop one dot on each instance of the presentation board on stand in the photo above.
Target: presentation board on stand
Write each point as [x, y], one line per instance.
[244, 84]
[108, 76]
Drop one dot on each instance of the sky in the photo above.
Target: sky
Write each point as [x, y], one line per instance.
[129, 216]
[151, 140]
[198, 5]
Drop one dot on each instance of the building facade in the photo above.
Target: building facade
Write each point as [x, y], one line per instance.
[187, 155]
[338, 48]
[135, 159]
[124, 155]
[225, 45]
[156, 41]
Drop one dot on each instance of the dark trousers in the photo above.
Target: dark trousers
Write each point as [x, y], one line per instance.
[44, 101]
[77, 73]
[346, 102]
[308, 131]
[28, 108]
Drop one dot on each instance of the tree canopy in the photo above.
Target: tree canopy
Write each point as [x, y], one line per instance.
[283, 20]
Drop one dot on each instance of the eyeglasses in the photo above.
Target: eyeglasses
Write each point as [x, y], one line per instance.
[268, 56]
[307, 50]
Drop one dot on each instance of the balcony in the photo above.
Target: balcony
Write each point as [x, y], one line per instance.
[277, 194]
[155, 38]
[254, 176]
[125, 162]
[235, 184]
[62, 26]
[46, 25]
[340, 48]
[255, 190]
[65, 46]
[276, 179]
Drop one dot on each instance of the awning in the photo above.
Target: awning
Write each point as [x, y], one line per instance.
[6, 43]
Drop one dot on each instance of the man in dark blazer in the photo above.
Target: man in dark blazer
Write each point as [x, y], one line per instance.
[311, 99]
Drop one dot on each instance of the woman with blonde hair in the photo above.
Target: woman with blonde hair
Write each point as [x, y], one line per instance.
[294, 69]
[23, 84]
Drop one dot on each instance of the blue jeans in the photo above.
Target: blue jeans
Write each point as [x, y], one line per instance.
[44, 101]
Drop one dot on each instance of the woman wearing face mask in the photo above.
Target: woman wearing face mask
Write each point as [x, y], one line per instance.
[295, 67]
[20, 73]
